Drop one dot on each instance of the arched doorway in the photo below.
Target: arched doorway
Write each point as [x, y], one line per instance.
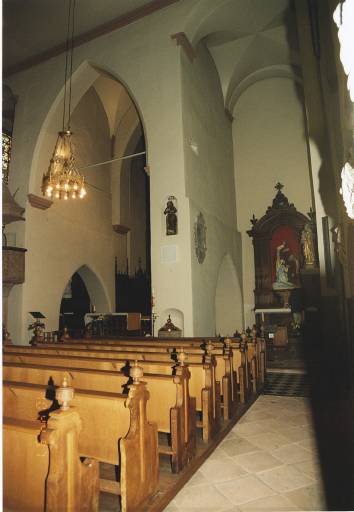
[84, 293]
[228, 299]
[74, 305]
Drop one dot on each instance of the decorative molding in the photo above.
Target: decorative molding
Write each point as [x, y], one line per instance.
[106, 28]
[182, 40]
[39, 202]
[120, 229]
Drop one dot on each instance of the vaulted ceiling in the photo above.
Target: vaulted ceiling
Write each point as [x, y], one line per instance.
[31, 27]
[250, 40]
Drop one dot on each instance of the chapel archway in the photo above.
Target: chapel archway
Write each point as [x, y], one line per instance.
[228, 299]
[83, 293]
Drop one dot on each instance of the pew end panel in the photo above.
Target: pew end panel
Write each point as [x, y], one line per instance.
[138, 453]
[25, 463]
[45, 463]
[183, 422]
[81, 492]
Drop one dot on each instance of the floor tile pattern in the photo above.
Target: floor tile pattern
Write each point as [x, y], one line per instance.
[267, 462]
[286, 384]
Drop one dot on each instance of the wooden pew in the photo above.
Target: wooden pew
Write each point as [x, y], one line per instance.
[107, 419]
[242, 360]
[252, 362]
[262, 355]
[239, 351]
[224, 370]
[175, 414]
[42, 469]
[202, 385]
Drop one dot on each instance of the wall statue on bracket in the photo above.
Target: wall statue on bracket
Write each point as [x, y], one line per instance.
[171, 216]
[308, 245]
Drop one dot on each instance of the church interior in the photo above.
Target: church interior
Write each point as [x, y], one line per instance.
[178, 255]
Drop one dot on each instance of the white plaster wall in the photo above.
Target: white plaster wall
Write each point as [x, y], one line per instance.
[209, 184]
[269, 146]
[72, 233]
[145, 58]
[228, 310]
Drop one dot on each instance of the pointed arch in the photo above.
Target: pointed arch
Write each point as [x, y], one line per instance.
[95, 288]
[82, 79]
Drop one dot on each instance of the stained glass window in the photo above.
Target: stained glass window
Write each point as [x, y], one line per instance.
[347, 189]
[344, 19]
[6, 155]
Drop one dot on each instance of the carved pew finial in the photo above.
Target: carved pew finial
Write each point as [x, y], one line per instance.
[65, 394]
[209, 348]
[136, 372]
[254, 333]
[208, 352]
[227, 347]
[182, 357]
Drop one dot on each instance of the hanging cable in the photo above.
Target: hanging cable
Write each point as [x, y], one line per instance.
[71, 59]
[112, 160]
[66, 62]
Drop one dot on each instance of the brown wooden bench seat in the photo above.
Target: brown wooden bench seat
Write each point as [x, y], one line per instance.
[108, 420]
[239, 349]
[202, 385]
[42, 469]
[175, 414]
[224, 370]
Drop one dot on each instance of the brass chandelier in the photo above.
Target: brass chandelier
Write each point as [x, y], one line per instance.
[63, 180]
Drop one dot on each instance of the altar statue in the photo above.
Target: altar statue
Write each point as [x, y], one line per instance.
[307, 244]
[282, 271]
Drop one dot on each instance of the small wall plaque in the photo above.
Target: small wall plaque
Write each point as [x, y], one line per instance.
[169, 254]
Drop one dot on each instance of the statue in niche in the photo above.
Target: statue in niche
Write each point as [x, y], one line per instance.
[171, 217]
[308, 246]
[286, 269]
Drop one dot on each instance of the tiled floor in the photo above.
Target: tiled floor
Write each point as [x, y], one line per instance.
[286, 384]
[267, 462]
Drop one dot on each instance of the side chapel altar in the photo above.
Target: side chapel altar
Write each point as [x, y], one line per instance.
[286, 267]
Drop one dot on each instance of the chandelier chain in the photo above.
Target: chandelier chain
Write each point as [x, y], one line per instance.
[66, 61]
[71, 58]
[63, 180]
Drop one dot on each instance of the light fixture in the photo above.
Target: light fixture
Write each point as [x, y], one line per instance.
[63, 180]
